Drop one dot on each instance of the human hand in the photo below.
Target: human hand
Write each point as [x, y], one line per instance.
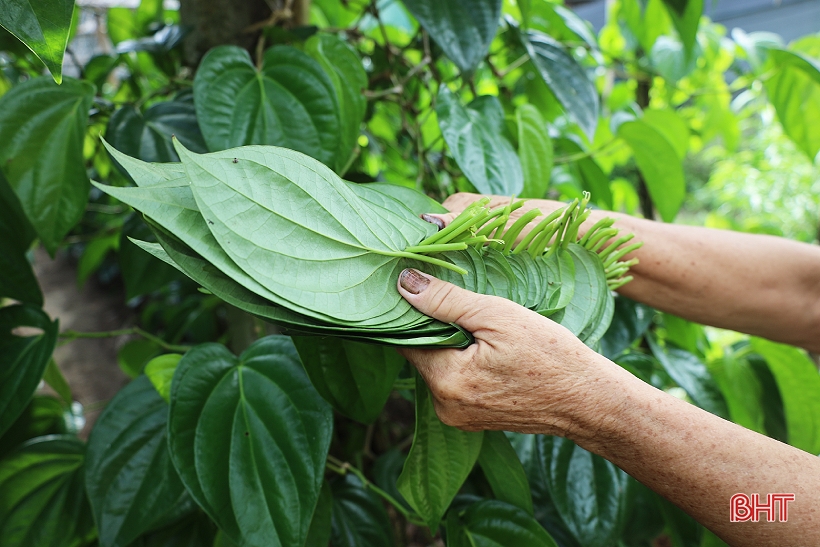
[524, 372]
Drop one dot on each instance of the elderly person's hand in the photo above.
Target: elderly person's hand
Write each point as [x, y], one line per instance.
[523, 373]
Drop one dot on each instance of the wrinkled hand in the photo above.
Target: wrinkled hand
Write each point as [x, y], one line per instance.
[524, 372]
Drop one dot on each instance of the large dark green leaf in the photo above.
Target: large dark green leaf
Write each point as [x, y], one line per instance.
[691, 374]
[42, 497]
[493, 523]
[42, 25]
[23, 359]
[321, 523]
[290, 102]
[566, 79]
[344, 67]
[42, 416]
[355, 378]
[438, 463]
[463, 30]
[660, 165]
[534, 150]
[359, 518]
[474, 136]
[147, 135]
[794, 90]
[588, 172]
[799, 385]
[195, 530]
[588, 491]
[629, 322]
[132, 484]
[504, 471]
[249, 437]
[42, 128]
[17, 279]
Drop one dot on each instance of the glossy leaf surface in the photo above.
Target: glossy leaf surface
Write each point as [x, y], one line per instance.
[273, 430]
[43, 26]
[23, 358]
[355, 378]
[473, 134]
[493, 523]
[42, 495]
[132, 484]
[359, 517]
[17, 279]
[42, 128]
[438, 463]
[147, 135]
[504, 471]
[464, 31]
[566, 79]
[290, 102]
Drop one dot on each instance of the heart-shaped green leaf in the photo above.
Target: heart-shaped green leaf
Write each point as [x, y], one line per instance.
[438, 463]
[42, 130]
[132, 484]
[474, 137]
[344, 67]
[249, 436]
[359, 518]
[147, 135]
[493, 523]
[23, 359]
[565, 77]
[355, 378]
[290, 102]
[504, 471]
[43, 26]
[535, 150]
[463, 30]
[17, 279]
[42, 495]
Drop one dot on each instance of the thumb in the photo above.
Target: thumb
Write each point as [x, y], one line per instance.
[444, 301]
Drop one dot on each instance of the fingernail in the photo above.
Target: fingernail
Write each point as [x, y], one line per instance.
[412, 281]
[433, 220]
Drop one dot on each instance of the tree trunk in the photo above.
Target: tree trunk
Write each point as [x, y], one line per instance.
[219, 22]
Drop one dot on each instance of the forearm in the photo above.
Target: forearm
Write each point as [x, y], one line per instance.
[699, 461]
[759, 285]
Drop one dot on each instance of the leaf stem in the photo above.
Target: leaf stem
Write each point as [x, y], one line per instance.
[512, 233]
[70, 335]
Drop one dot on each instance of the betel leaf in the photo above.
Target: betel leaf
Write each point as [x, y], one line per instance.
[587, 171]
[147, 135]
[691, 374]
[17, 279]
[43, 26]
[794, 90]
[23, 358]
[160, 370]
[289, 102]
[359, 518]
[273, 432]
[195, 530]
[474, 136]
[464, 31]
[42, 128]
[141, 273]
[493, 523]
[42, 496]
[344, 67]
[320, 524]
[659, 164]
[565, 77]
[355, 378]
[439, 461]
[43, 415]
[535, 151]
[670, 125]
[132, 484]
[504, 471]
[588, 491]
[799, 385]
[629, 322]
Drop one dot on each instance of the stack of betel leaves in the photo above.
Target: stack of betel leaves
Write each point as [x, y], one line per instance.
[279, 235]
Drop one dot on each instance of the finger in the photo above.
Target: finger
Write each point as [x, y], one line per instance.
[440, 220]
[445, 301]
